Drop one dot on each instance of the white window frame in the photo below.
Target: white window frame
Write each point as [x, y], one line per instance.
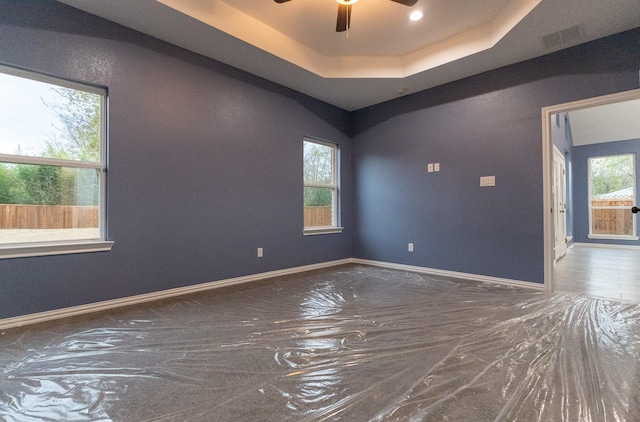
[334, 185]
[591, 235]
[57, 247]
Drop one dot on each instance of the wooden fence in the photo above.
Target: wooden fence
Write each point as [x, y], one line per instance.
[317, 216]
[48, 217]
[612, 221]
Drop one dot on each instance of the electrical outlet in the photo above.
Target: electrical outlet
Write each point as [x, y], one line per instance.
[260, 252]
[436, 166]
[410, 247]
[430, 167]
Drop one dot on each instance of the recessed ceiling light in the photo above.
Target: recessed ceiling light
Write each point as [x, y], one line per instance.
[416, 16]
[346, 2]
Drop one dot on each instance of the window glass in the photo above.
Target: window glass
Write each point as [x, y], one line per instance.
[612, 189]
[52, 167]
[318, 163]
[320, 184]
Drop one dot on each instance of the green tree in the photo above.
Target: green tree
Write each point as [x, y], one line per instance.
[317, 197]
[42, 184]
[318, 168]
[8, 184]
[79, 139]
[79, 114]
[611, 174]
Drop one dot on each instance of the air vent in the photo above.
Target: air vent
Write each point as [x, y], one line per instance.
[569, 35]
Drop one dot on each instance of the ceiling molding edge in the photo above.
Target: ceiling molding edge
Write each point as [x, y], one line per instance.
[222, 17]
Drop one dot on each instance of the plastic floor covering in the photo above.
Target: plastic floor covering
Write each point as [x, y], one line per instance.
[351, 343]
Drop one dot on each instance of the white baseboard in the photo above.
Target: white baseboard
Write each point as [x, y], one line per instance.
[39, 317]
[164, 294]
[605, 246]
[455, 274]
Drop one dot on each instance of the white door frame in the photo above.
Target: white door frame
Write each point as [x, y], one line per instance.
[547, 168]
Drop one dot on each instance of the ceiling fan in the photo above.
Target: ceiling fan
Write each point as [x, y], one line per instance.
[344, 11]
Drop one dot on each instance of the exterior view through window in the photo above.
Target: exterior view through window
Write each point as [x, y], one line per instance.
[320, 185]
[52, 159]
[612, 190]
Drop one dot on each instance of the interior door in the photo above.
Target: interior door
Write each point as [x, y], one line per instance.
[559, 190]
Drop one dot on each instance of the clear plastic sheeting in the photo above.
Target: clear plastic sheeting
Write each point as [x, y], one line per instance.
[350, 343]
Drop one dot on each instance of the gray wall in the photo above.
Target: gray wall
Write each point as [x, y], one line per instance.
[581, 156]
[205, 164]
[489, 124]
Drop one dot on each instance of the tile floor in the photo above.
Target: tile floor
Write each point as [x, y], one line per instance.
[600, 272]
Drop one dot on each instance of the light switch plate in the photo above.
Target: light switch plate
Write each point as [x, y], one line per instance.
[487, 181]
[430, 167]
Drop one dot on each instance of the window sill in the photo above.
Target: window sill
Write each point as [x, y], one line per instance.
[322, 230]
[612, 237]
[45, 249]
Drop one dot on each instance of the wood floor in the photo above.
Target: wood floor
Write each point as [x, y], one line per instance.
[600, 272]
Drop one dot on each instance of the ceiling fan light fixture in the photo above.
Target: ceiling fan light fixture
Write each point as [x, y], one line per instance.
[343, 22]
[416, 16]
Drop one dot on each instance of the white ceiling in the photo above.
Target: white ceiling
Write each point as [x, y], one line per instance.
[383, 55]
[606, 123]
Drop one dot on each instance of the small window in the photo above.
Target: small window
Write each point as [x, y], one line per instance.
[52, 163]
[320, 187]
[611, 197]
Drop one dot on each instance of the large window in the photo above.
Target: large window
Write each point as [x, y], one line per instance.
[611, 196]
[320, 187]
[52, 164]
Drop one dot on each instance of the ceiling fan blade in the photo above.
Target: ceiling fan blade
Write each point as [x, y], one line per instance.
[344, 18]
[405, 2]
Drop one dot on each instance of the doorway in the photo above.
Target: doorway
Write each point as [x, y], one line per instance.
[559, 191]
[556, 216]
